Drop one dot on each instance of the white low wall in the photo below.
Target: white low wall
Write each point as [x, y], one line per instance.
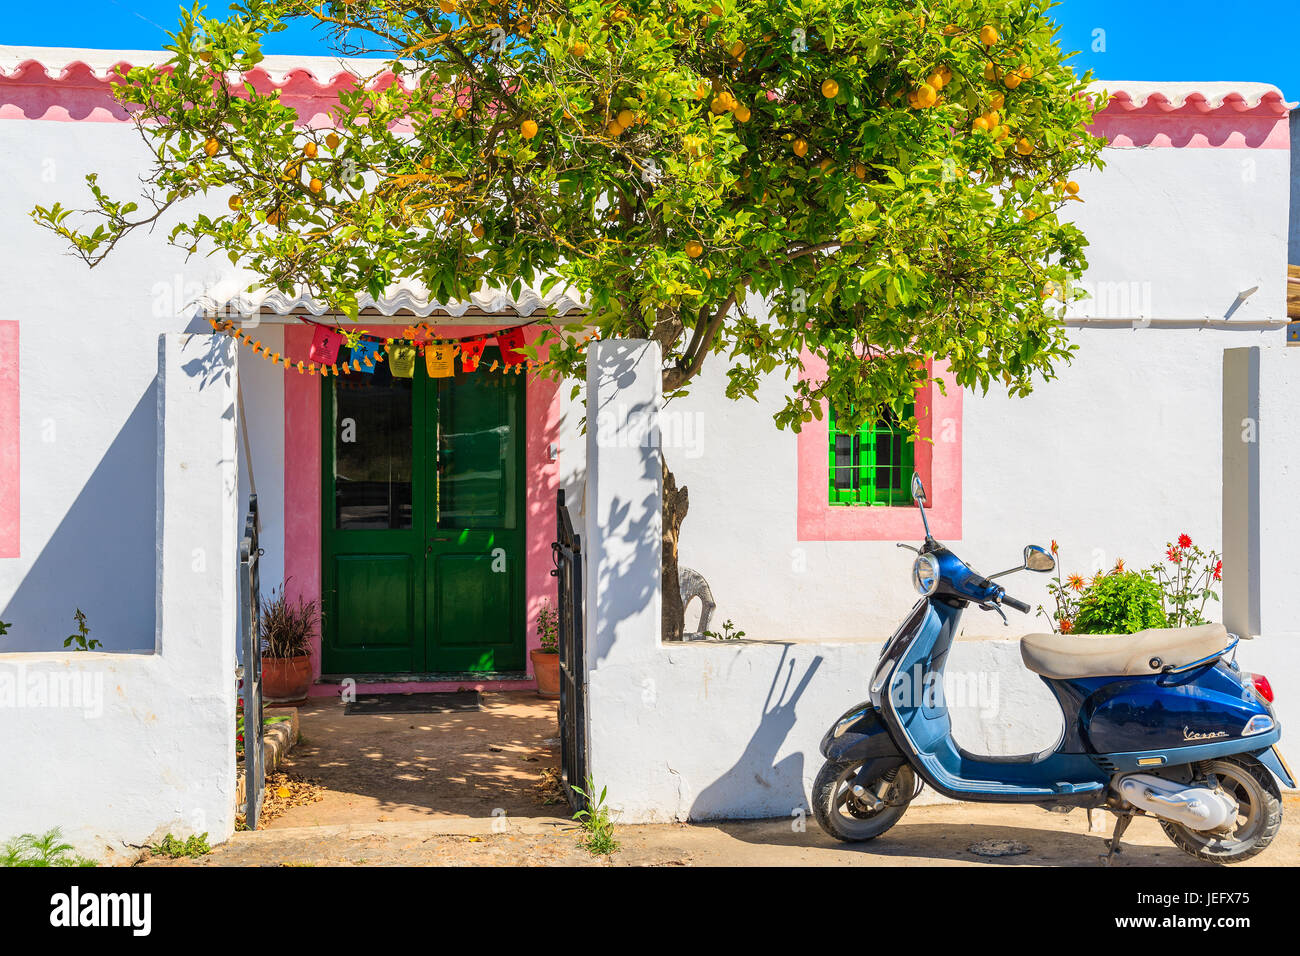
[119, 749]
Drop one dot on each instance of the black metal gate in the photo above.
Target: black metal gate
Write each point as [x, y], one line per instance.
[250, 617]
[567, 553]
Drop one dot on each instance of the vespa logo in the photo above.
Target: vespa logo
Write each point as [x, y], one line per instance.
[1189, 734]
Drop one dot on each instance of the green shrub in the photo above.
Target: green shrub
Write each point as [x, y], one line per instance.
[1120, 603]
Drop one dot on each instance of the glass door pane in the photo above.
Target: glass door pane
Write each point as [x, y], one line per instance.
[372, 450]
[478, 435]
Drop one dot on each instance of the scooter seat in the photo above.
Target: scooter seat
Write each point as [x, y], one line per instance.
[1063, 656]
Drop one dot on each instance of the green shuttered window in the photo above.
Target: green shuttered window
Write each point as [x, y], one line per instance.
[873, 465]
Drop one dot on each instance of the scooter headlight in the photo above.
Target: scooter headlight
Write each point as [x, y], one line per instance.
[925, 574]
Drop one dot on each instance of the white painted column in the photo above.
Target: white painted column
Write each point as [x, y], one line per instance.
[623, 512]
[624, 506]
[1261, 520]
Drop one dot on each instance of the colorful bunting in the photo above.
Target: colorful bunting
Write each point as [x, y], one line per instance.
[401, 359]
[440, 360]
[365, 356]
[470, 353]
[325, 344]
[509, 341]
[366, 351]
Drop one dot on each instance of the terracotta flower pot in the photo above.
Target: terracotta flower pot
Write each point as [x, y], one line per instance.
[286, 679]
[546, 667]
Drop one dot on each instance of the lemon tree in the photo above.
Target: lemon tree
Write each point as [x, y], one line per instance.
[876, 184]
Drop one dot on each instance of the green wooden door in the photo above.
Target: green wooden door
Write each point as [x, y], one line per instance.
[423, 543]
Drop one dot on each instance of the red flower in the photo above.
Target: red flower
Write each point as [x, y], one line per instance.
[1066, 625]
[1053, 546]
[1174, 555]
[1119, 566]
[1184, 541]
[1075, 582]
[1218, 571]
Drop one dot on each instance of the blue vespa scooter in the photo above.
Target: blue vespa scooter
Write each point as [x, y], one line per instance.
[1160, 722]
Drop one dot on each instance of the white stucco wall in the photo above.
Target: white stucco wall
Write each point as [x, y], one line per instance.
[120, 749]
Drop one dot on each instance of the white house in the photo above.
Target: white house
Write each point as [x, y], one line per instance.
[130, 437]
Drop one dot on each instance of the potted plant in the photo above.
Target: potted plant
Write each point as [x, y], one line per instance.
[546, 658]
[286, 631]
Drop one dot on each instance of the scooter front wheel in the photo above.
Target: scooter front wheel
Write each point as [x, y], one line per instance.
[1259, 814]
[842, 815]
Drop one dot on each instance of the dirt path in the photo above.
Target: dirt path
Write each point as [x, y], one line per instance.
[927, 836]
[412, 767]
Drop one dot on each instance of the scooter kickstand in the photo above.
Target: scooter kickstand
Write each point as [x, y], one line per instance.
[1122, 820]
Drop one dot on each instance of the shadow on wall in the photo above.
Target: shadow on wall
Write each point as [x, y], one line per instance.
[101, 556]
[757, 778]
[632, 527]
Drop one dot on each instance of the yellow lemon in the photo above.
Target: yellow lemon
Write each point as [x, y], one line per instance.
[528, 129]
[315, 185]
[800, 147]
[211, 145]
[332, 141]
[988, 35]
[578, 49]
[926, 96]
[235, 203]
[830, 89]
[694, 248]
[1011, 80]
[1072, 188]
[742, 113]
[626, 118]
[1024, 147]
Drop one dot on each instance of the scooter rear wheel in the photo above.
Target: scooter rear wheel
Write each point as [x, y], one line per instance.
[1259, 814]
[843, 816]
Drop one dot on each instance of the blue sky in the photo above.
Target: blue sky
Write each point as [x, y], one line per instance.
[1138, 39]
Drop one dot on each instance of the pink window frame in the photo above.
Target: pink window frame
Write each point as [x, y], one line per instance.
[938, 462]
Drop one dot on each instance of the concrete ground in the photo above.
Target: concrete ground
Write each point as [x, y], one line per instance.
[471, 788]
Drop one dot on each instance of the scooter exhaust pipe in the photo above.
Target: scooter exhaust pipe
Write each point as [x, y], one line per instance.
[1199, 808]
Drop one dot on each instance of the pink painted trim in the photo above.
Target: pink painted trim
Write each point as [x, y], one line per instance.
[10, 444]
[78, 93]
[422, 687]
[1197, 131]
[302, 480]
[938, 462]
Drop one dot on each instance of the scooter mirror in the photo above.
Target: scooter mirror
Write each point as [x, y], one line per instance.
[1037, 559]
[918, 489]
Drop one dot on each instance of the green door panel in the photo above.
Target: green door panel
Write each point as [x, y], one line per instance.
[375, 612]
[473, 613]
[423, 515]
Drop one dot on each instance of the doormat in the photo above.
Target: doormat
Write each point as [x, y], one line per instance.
[440, 703]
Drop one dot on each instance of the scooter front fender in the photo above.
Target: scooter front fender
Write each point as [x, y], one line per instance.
[859, 734]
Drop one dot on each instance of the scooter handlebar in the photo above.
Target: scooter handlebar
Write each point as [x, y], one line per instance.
[1011, 602]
